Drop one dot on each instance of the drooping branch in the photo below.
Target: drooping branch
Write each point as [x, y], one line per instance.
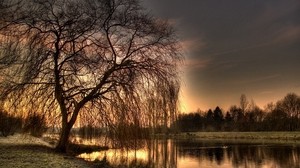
[102, 58]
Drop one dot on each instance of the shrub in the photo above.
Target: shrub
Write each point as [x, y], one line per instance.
[35, 124]
[89, 132]
[9, 124]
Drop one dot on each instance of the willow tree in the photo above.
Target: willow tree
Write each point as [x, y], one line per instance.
[73, 56]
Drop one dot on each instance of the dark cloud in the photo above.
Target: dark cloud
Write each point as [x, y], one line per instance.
[236, 46]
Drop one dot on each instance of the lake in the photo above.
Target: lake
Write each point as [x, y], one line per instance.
[205, 154]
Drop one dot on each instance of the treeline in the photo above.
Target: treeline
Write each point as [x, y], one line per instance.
[283, 115]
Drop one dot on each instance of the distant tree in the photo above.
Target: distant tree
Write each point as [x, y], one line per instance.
[228, 121]
[270, 107]
[238, 117]
[209, 116]
[277, 120]
[190, 122]
[290, 104]
[259, 114]
[85, 57]
[218, 118]
[236, 113]
[253, 119]
[244, 103]
[209, 120]
[228, 117]
[218, 115]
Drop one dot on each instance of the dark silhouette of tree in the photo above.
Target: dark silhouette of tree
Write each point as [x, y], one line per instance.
[228, 122]
[270, 107]
[209, 116]
[277, 120]
[253, 119]
[244, 103]
[228, 117]
[190, 122]
[71, 57]
[238, 117]
[290, 104]
[236, 113]
[218, 118]
[218, 115]
[209, 120]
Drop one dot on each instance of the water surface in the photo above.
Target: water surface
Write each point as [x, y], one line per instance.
[205, 154]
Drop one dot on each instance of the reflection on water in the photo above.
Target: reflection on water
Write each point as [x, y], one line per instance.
[204, 154]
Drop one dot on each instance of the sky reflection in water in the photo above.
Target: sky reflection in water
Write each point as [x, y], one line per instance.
[204, 154]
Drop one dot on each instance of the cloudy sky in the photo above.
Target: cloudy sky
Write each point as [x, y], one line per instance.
[235, 47]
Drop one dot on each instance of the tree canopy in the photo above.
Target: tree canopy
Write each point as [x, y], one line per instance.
[71, 57]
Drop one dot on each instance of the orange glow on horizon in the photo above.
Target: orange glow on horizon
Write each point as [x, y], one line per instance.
[189, 102]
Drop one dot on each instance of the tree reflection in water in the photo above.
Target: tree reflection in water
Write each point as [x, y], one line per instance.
[181, 154]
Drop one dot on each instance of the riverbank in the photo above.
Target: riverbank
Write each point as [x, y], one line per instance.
[294, 136]
[27, 151]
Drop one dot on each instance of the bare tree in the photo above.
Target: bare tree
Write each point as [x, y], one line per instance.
[81, 56]
[270, 107]
[290, 104]
[244, 103]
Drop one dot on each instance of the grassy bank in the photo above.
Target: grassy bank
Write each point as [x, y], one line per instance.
[26, 151]
[242, 135]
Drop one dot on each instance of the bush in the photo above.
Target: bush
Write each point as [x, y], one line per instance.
[35, 124]
[89, 132]
[9, 124]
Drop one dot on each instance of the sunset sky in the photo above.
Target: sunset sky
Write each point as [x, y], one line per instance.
[234, 47]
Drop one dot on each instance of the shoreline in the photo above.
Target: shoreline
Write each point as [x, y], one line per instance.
[287, 136]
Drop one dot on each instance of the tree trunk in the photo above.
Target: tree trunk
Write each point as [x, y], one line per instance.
[64, 138]
[66, 129]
